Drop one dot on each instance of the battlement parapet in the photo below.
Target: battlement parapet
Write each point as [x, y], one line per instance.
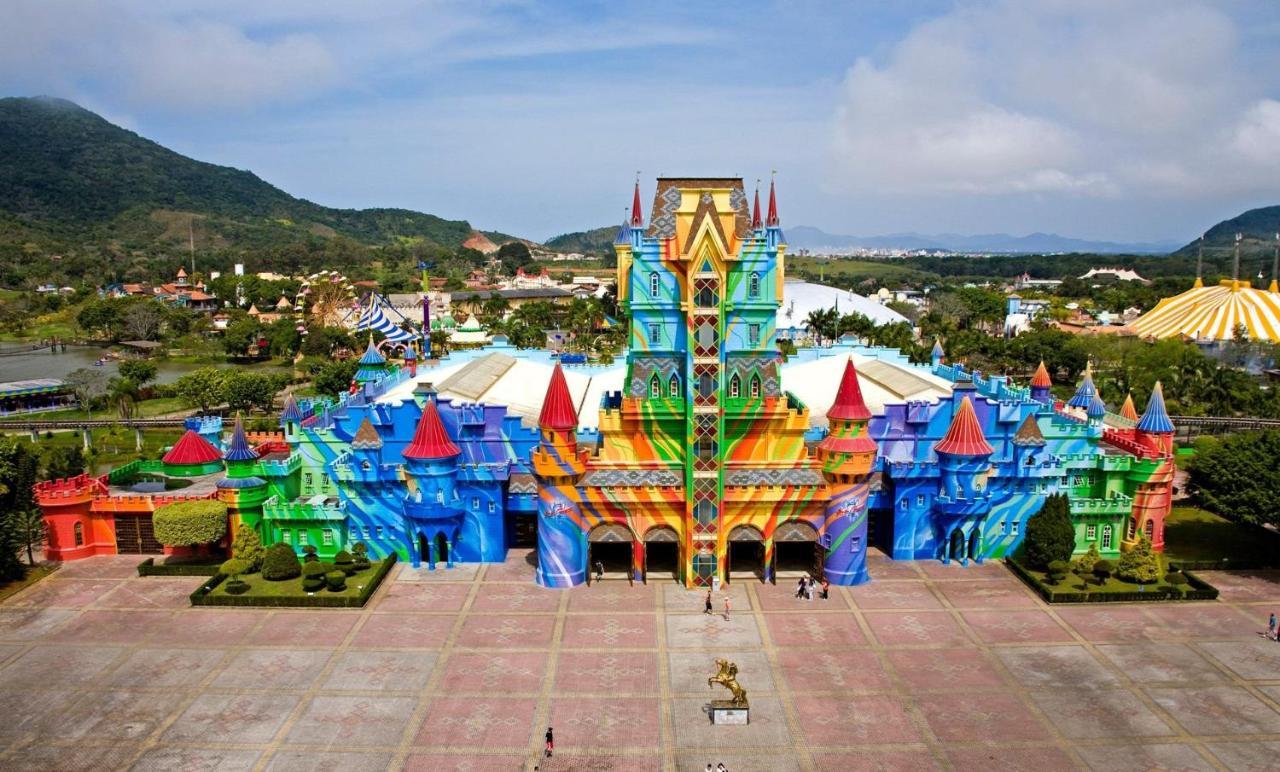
[1101, 506]
[330, 510]
[65, 490]
[280, 468]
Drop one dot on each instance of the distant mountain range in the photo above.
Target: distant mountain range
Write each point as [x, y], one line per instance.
[815, 240]
[1258, 228]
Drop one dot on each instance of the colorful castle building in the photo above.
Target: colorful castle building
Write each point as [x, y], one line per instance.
[701, 467]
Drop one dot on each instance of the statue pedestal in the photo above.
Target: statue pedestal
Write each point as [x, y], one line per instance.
[726, 712]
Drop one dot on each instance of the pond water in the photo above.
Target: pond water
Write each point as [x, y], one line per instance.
[16, 365]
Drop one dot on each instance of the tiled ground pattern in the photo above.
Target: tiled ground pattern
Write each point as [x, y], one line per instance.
[928, 667]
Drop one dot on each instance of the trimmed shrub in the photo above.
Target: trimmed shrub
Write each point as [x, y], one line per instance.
[234, 567]
[344, 562]
[1050, 535]
[236, 587]
[1058, 569]
[1103, 568]
[313, 583]
[360, 548]
[1176, 579]
[362, 562]
[337, 581]
[318, 568]
[1086, 562]
[309, 554]
[1139, 565]
[190, 523]
[280, 563]
[247, 546]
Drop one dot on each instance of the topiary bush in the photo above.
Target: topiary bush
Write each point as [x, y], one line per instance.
[1176, 578]
[1086, 562]
[1139, 565]
[247, 546]
[1050, 534]
[313, 583]
[1058, 571]
[360, 548]
[318, 568]
[337, 581]
[344, 562]
[190, 523]
[309, 554]
[280, 563]
[1102, 569]
[236, 587]
[234, 567]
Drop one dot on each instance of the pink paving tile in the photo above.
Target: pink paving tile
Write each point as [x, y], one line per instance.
[942, 669]
[1213, 621]
[504, 598]
[880, 566]
[422, 596]
[615, 722]
[304, 628]
[462, 762]
[613, 596]
[149, 593]
[604, 631]
[870, 719]
[504, 631]
[57, 592]
[815, 670]
[986, 717]
[1015, 627]
[408, 631]
[987, 595]
[876, 761]
[782, 597]
[165, 667]
[516, 672]
[623, 672]
[840, 629]
[51, 666]
[27, 624]
[341, 721]
[101, 567]
[272, 669]
[520, 566]
[894, 595]
[481, 722]
[1113, 624]
[926, 628]
[602, 758]
[1244, 586]
[1047, 759]
[207, 626]
[939, 571]
[111, 626]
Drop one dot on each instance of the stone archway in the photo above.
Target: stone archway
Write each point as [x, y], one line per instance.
[612, 546]
[661, 553]
[744, 553]
[797, 550]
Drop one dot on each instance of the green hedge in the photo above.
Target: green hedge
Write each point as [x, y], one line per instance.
[190, 523]
[1200, 590]
[149, 567]
[201, 596]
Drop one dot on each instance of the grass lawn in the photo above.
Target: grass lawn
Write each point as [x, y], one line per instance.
[33, 575]
[261, 588]
[114, 446]
[1192, 534]
[883, 272]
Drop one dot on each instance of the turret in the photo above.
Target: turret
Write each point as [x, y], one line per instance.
[411, 361]
[242, 490]
[935, 356]
[1042, 385]
[433, 506]
[1127, 410]
[756, 222]
[366, 445]
[1085, 392]
[558, 425]
[773, 225]
[559, 465]
[963, 453]
[291, 419]
[372, 365]
[1155, 430]
[846, 455]
[1027, 442]
[1096, 411]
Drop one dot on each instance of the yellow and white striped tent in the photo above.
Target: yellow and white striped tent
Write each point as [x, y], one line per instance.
[1212, 313]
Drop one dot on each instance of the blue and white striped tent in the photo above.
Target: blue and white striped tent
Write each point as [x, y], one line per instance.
[374, 317]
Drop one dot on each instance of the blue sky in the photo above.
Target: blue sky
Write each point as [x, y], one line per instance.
[1124, 120]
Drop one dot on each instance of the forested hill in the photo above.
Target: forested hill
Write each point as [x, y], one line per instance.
[67, 174]
[597, 241]
[1257, 226]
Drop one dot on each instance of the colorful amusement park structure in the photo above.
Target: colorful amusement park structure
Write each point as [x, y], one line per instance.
[702, 466]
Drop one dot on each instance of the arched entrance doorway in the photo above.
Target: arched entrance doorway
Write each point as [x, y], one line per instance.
[975, 544]
[957, 546]
[796, 551]
[610, 546]
[745, 554]
[661, 554]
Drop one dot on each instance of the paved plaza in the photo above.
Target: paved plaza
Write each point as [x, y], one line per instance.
[927, 667]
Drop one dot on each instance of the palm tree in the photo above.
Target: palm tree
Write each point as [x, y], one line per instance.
[28, 525]
[823, 324]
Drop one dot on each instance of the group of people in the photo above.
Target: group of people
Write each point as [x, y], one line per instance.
[805, 588]
[710, 605]
[717, 768]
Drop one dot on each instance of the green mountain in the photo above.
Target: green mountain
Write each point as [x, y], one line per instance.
[68, 176]
[1257, 226]
[597, 241]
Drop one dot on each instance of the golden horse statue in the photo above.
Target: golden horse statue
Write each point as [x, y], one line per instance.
[728, 678]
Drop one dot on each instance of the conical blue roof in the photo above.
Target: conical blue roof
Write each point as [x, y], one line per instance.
[372, 356]
[291, 411]
[937, 349]
[410, 355]
[624, 234]
[1097, 408]
[239, 449]
[1085, 393]
[1155, 420]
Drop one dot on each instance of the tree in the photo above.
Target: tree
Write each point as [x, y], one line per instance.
[1050, 535]
[248, 547]
[234, 567]
[280, 563]
[334, 378]
[124, 393]
[283, 337]
[1086, 562]
[142, 320]
[140, 371]
[240, 335]
[246, 390]
[494, 309]
[513, 255]
[1237, 477]
[102, 317]
[63, 461]
[823, 324]
[87, 385]
[1139, 565]
[201, 388]
[190, 523]
[29, 527]
[322, 341]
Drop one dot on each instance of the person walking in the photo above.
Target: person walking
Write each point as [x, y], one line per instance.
[826, 589]
[800, 589]
[1271, 628]
[726, 607]
[551, 742]
[599, 567]
[709, 608]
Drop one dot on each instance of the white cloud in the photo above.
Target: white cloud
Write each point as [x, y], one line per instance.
[1092, 98]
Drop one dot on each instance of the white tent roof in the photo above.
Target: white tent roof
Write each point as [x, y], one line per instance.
[800, 298]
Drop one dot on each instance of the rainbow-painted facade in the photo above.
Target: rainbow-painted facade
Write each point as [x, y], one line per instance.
[702, 467]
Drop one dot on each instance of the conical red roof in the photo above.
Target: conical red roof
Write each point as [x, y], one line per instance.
[849, 405]
[557, 406]
[755, 211]
[637, 213]
[431, 440]
[191, 448]
[1041, 379]
[964, 436]
[772, 220]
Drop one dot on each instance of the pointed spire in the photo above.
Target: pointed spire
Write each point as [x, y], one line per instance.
[755, 210]
[367, 436]
[849, 404]
[1097, 408]
[238, 449]
[431, 441]
[624, 231]
[1275, 268]
[1029, 434]
[1086, 391]
[964, 436]
[1199, 265]
[557, 407]
[291, 411]
[938, 352]
[1235, 264]
[637, 214]
[371, 354]
[1155, 420]
[1127, 410]
[1041, 379]
[772, 220]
